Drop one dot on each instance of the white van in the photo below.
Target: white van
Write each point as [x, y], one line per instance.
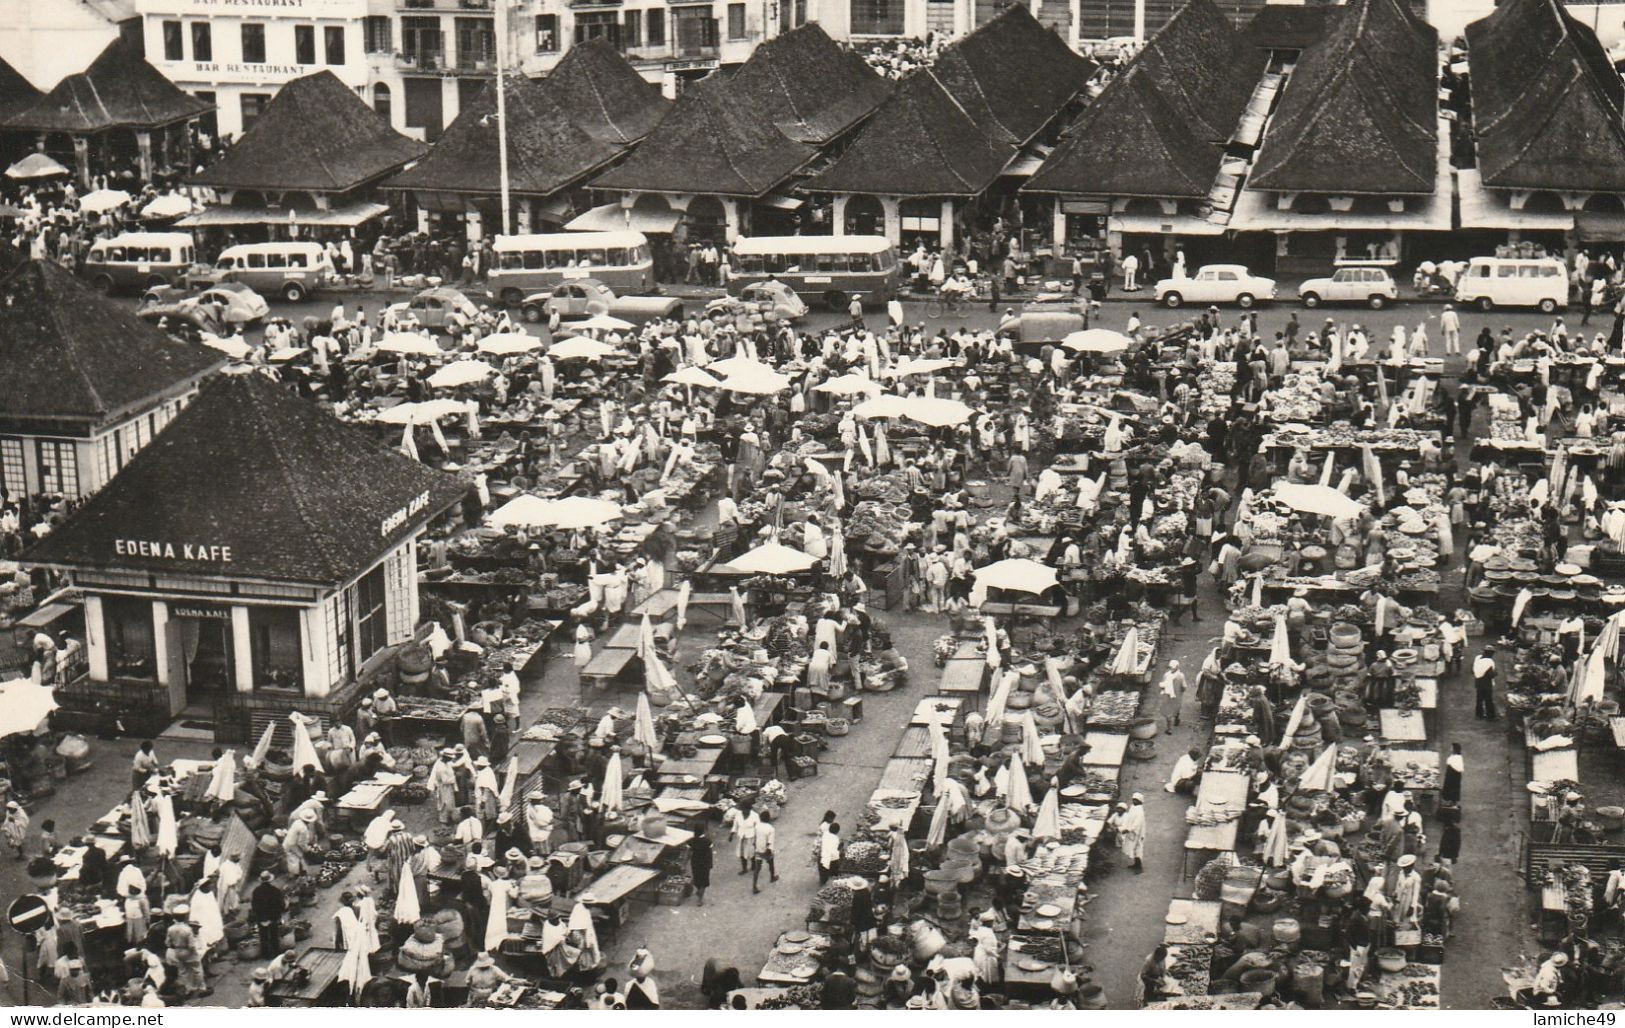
[139, 260]
[1493, 282]
[291, 269]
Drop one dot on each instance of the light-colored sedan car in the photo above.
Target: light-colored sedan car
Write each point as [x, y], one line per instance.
[1373, 287]
[236, 303]
[435, 308]
[763, 298]
[1216, 283]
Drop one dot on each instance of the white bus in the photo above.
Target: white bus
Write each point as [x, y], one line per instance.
[536, 263]
[821, 269]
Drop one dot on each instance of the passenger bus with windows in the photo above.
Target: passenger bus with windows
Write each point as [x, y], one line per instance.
[825, 270]
[528, 264]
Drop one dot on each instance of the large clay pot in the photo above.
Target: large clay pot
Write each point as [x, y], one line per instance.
[1144, 728]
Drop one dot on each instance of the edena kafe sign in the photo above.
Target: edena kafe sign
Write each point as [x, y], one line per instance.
[152, 549]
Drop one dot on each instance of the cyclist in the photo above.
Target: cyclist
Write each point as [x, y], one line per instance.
[958, 289]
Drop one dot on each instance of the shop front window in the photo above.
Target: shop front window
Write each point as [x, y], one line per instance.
[127, 627]
[58, 468]
[371, 622]
[274, 645]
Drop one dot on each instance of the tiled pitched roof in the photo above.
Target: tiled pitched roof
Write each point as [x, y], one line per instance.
[1012, 75]
[71, 354]
[1548, 107]
[16, 92]
[294, 493]
[807, 86]
[604, 94]
[316, 135]
[1359, 113]
[119, 90]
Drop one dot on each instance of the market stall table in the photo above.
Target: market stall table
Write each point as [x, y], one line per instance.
[1556, 765]
[1106, 749]
[322, 967]
[1402, 725]
[962, 677]
[944, 710]
[366, 799]
[1417, 771]
[1416, 987]
[1196, 920]
[1220, 790]
[638, 848]
[614, 891]
[795, 958]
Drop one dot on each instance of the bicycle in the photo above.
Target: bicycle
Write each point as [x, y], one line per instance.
[946, 303]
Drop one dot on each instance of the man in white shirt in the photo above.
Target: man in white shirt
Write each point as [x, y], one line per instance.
[1186, 773]
[1484, 684]
[765, 838]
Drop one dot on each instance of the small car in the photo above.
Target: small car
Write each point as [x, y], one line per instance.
[763, 298]
[1216, 283]
[1373, 287]
[588, 297]
[238, 304]
[436, 308]
[188, 321]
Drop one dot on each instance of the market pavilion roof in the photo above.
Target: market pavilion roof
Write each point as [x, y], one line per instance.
[1158, 129]
[1012, 75]
[1548, 106]
[1360, 111]
[1290, 26]
[604, 94]
[920, 143]
[16, 92]
[72, 355]
[745, 133]
[549, 148]
[252, 482]
[315, 135]
[710, 143]
[119, 90]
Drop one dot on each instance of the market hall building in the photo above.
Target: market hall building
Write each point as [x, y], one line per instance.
[246, 564]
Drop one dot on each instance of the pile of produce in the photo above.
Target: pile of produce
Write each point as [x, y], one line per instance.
[1116, 709]
[863, 857]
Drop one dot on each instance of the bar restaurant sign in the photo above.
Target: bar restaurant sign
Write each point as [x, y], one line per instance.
[212, 552]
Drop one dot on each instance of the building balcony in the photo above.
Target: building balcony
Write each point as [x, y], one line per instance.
[421, 60]
[474, 64]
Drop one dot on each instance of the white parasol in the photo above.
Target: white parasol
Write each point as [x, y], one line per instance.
[568, 512]
[1519, 603]
[1017, 575]
[1317, 499]
[993, 725]
[772, 558]
[263, 747]
[737, 604]
[420, 413]
[1127, 660]
[899, 856]
[643, 729]
[736, 365]
[1018, 792]
[355, 968]
[939, 756]
[287, 353]
[938, 413]
[168, 840]
[461, 373]
[170, 205]
[610, 795]
[1296, 719]
[234, 348]
[765, 382]
[604, 323]
[24, 704]
[580, 348]
[685, 592]
[1319, 776]
[1032, 741]
[922, 366]
[410, 344]
[849, 385]
[100, 201]
[140, 827]
[692, 376]
[1097, 340]
[1275, 844]
[505, 344]
[510, 781]
[884, 406]
[36, 165]
[937, 833]
[304, 751]
[1281, 644]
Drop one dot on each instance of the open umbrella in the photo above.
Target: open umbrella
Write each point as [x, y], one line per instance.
[736, 365]
[1319, 776]
[234, 348]
[772, 558]
[1047, 823]
[410, 344]
[1317, 499]
[1275, 847]
[938, 413]
[100, 200]
[580, 348]
[36, 165]
[643, 729]
[170, 205]
[421, 413]
[407, 910]
[24, 703]
[1097, 340]
[884, 406]
[287, 353]
[223, 779]
[922, 366]
[1127, 660]
[568, 512]
[849, 385]
[604, 323]
[1017, 574]
[764, 382]
[461, 373]
[610, 795]
[692, 376]
[505, 344]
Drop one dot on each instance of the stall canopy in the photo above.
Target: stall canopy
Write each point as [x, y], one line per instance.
[119, 90]
[346, 215]
[1360, 112]
[1159, 128]
[72, 355]
[1548, 106]
[612, 217]
[315, 136]
[193, 502]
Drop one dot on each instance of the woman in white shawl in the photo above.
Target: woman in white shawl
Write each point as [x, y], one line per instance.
[986, 954]
[211, 927]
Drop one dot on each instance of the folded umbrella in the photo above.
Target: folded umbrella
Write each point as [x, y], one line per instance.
[1275, 844]
[1047, 823]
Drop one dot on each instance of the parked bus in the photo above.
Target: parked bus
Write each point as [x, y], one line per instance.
[139, 260]
[821, 269]
[536, 263]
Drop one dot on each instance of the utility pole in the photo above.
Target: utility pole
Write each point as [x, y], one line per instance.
[502, 115]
